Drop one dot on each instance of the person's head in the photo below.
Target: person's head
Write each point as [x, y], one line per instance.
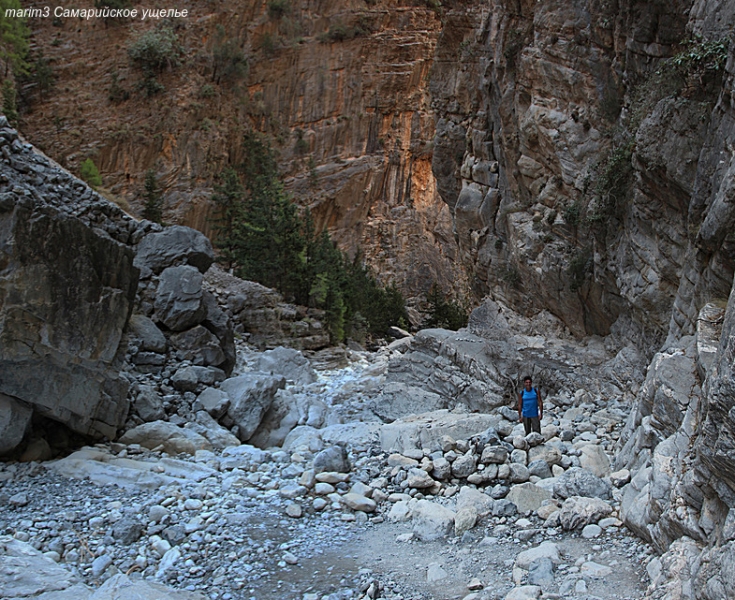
[527, 382]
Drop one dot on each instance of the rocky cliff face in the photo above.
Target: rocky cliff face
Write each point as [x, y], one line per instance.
[534, 148]
[568, 177]
[341, 89]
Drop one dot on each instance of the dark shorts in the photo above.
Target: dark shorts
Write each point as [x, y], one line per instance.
[532, 424]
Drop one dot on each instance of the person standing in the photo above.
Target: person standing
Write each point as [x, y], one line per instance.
[530, 407]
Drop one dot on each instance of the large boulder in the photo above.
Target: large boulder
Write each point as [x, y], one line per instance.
[289, 363]
[199, 346]
[251, 396]
[169, 437]
[432, 521]
[174, 246]
[427, 430]
[147, 334]
[278, 421]
[581, 482]
[397, 400]
[66, 293]
[14, 421]
[179, 303]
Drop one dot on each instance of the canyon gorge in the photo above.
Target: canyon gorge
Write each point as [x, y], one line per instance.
[564, 168]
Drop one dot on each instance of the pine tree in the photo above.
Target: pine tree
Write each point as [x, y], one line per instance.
[443, 313]
[262, 234]
[153, 198]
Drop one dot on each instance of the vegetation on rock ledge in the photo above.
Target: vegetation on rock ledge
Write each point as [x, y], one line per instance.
[265, 238]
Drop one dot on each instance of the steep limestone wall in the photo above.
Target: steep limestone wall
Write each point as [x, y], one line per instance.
[533, 101]
[340, 87]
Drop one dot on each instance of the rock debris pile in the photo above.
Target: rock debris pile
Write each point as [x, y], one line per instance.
[237, 521]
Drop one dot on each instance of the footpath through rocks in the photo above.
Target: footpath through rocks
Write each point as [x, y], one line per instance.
[443, 504]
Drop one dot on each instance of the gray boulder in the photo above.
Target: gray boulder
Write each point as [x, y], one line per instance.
[431, 521]
[199, 346]
[289, 363]
[465, 465]
[527, 496]
[175, 245]
[332, 459]
[397, 400]
[149, 404]
[14, 421]
[580, 482]
[214, 401]
[250, 397]
[147, 333]
[539, 468]
[282, 416]
[171, 438]
[185, 379]
[217, 435]
[576, 512]
[66, 293]
[178, 304]
[220, 325]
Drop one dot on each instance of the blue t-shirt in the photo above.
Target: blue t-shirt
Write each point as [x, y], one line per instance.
[530, 403]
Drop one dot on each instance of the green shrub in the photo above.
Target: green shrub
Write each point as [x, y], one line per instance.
[155, 50]
[572, 213]
[702, 56]
[89, 172]
[510, 275]
[14, 40]
[206, 91]
[301, 146]
[278, 8]
[230, 64]
[340, 32]
[117, 93]
[268, 43]
[613, 182]
[579, 268]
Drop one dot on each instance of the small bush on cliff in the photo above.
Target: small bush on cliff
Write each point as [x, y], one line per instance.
[702, 57]
[262, 234]
[89, 172]
[579, 269]
[341, 33]
[278, 8]
[230, 64]
[117, 93]
[155, 50]
[613, 182]
[152, 52]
